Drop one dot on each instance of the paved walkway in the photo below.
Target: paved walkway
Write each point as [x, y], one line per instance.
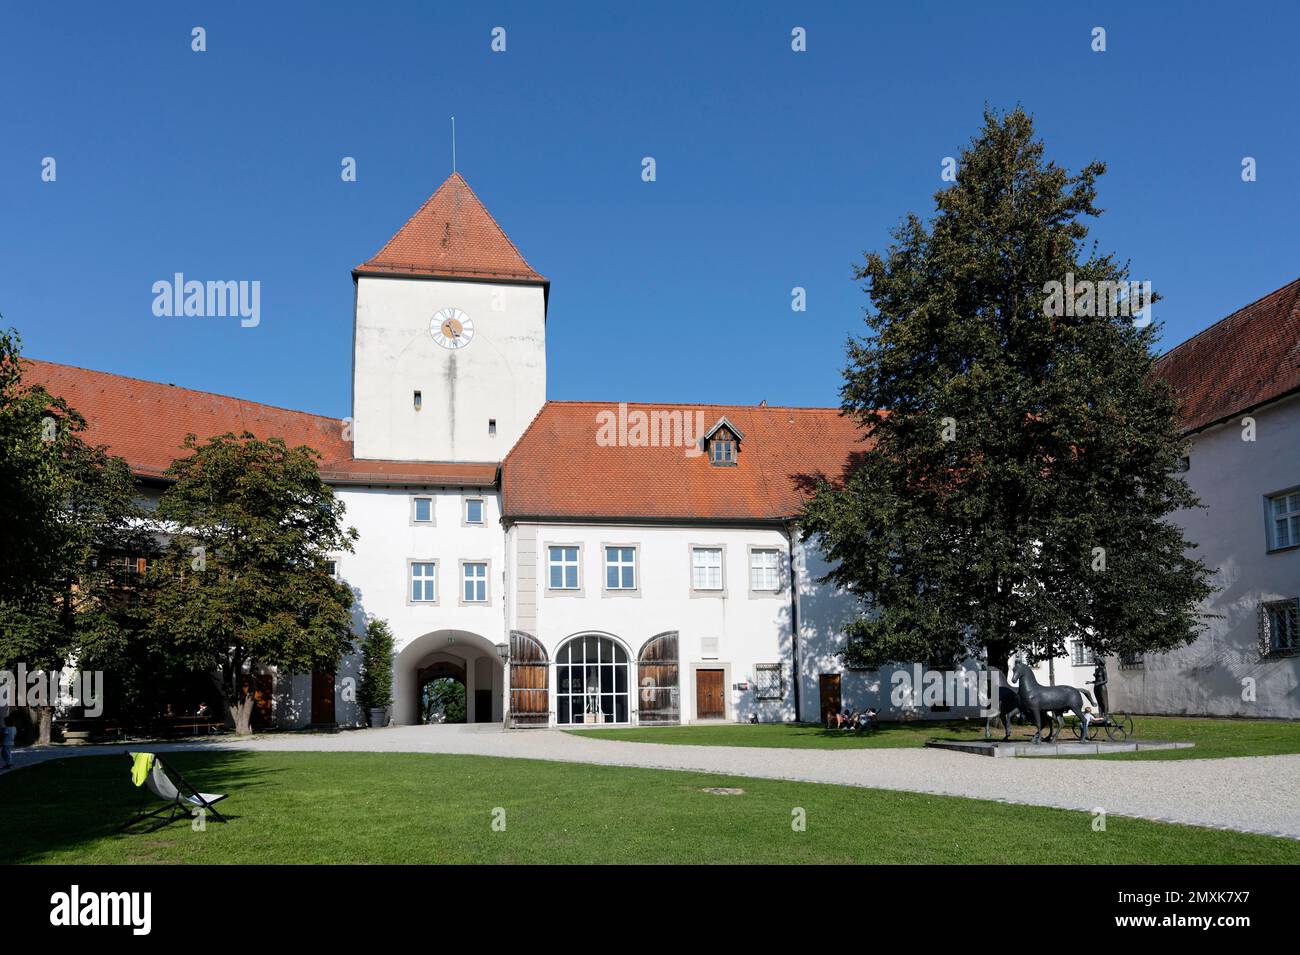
[1250, 794]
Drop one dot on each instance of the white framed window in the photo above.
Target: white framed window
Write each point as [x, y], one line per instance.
[764, 569]
[1279, 624]
[1080, 655]
[473, 510]
[620, 567]
[706, 568]
[473, 581]
[562, 567]
[769, 681]
[421, 509]
[332, 568]
[1284, 520]
[423, 581]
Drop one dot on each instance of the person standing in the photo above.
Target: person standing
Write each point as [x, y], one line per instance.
[1099, 687]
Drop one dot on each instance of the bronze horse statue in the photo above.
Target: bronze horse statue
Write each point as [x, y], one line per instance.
[1037, 700]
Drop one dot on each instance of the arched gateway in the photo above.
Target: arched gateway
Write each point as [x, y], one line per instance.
[457, 654]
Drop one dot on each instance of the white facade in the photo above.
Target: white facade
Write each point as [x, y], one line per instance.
[496, 374]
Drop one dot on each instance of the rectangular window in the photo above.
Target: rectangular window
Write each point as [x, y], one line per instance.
[332, 568]
[563, 567]
[474, 582]
[1080, 655]
[422, 510]
[424, 582]
[706, 568]
[1284, 520]
[763, 569]
[722, 451]
[1280, 628]
[473, 510]
[769, 682]
[620, 568]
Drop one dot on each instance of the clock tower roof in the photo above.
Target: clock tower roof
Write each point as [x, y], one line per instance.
[451, 236]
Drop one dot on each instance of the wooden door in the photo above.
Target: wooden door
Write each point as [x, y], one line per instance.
[830, 694]
[657, 680]
[709, 702]
[263, 699]
[322, 698]
[530, 670]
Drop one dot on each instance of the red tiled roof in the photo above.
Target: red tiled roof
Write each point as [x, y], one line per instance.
[557, 468]
[145, 422]
[1241, 362]
[451, 235]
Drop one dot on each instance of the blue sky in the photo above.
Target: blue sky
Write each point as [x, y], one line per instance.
[775, 169]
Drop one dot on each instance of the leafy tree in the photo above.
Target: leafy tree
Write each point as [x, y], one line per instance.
[445, 699]
[376, 688]
[243, 583]
[69, 507]
[1022, 459]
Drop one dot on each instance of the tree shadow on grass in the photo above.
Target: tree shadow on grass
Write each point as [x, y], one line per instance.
[64, 804]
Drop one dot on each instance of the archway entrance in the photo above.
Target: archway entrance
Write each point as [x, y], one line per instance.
[591, 681]
[442, 692]
[458, 656]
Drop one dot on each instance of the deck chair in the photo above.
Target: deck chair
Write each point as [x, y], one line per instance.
[180, 797]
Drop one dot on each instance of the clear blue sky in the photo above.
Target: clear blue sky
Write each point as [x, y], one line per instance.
[775, 169]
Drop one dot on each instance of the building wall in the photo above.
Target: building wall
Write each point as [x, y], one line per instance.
[500, 374]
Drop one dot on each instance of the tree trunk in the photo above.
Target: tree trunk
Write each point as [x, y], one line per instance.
[242, 712]
[44, 724]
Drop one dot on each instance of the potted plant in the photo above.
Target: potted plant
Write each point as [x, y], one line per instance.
[375, 692]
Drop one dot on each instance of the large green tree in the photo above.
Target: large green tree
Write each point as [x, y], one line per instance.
[244, 583]
[1022, 461]
[68, 508]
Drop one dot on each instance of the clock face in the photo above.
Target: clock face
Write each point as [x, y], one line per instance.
[451, 328]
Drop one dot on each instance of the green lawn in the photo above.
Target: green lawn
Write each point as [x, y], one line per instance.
[322, 808]
[1213, 737]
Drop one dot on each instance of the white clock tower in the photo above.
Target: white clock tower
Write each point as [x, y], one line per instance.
[449, 338]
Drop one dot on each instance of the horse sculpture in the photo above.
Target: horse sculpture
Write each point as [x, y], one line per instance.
[1037, 700]
[1008, 705]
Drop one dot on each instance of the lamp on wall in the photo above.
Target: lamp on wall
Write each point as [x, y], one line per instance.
[503, 650]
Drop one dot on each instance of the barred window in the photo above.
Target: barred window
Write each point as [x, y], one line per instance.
[1131, 661]
[1279, 628]
[769, 681]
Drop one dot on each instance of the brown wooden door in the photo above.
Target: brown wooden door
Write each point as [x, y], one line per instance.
[830, 693]
[322, 697]
[263, 699]
[709, 702]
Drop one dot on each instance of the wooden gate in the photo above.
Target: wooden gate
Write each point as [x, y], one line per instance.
[657, 673]
[829, 687]
[530, 699]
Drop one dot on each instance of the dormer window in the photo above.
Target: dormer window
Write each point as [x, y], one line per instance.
[722, 442]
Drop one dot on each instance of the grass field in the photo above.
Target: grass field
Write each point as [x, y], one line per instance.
[411, 808]
[1213, 737]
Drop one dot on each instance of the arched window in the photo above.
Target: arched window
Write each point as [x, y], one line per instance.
[591, 681]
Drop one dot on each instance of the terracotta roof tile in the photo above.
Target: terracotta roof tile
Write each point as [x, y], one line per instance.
[1243, 361]
[559, 470]
[145, 422]
[451, 235]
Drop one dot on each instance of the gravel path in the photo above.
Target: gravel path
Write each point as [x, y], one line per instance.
[1249, 794]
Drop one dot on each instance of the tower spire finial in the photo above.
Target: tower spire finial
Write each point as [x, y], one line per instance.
[453, 144]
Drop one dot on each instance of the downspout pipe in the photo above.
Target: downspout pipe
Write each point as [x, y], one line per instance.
[797, 675]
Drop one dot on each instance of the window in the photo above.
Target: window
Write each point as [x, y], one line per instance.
[332, 568]
[492, 427]
[1080, 655]
[769, 682]
[706, 568]
[1279, 626]
[473, 576]
[764, 569]
[722, 448]
[620, 568]
[1284, 520]
[424, 581]
[473, 510]
[1131, 661]
[563, 567]
[422, 510]
[417, 400]
[591, 681]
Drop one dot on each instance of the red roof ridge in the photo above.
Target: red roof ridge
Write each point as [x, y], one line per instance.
[167, 384]
[691, 404]
[1231, 315]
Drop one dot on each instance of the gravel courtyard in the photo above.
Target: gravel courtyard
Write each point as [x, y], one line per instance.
[1251, 794]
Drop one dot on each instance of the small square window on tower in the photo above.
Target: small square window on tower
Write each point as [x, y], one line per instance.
[492, 427]
[418, 400]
